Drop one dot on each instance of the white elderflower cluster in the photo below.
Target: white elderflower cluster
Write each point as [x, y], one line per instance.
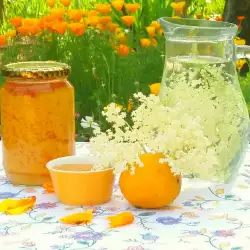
[154, 128]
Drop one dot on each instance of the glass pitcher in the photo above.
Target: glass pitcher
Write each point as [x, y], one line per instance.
[200, 74]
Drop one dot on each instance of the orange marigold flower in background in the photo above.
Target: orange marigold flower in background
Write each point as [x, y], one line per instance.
[92, 21]
[3, 40]
[156, 25]
[103, 8]
[178, 7]
[105, 19]
[198, 16]
[58, 13]
[241, 18]
[151, 31]
[154, 42]
[219, 19]
[49, 188]
[129, 108]
[160, 32]
[128, 20]
[18, 206]
[123, 50]
[101, 26]
[51, 3]
[77, 28]
[118, 4]
[84, 217]
[60, 27]
[23, 31]
[93, 13]
[239, 41]
[30, 22]
[145, 42]
[240, 63]
[16, 21]
[75, 14]
[132, 7]
[122, 219]
[66, 3]
[155, 88]
[112, 26]
[11, 33]
[207, 18]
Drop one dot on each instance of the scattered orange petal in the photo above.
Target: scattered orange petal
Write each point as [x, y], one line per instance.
[128, 20]
[13, 207]
[122, 219]
[240, 63]
[16, 21]
[49, 188]
[51, 3]
[132, 7]
[103, 8]
[75, 14]
[155, 88]
[151, 31]
[78, 218]
[77, 28]
[118, 4]
[66, 3]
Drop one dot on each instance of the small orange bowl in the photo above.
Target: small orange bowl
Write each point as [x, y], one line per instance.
[76, 183]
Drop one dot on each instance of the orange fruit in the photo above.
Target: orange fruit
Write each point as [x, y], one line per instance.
[152, 186]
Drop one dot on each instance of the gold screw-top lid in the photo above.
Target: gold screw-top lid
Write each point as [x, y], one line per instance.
[36, 70]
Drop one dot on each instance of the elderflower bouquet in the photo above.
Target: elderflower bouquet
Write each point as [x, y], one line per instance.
[154, 128]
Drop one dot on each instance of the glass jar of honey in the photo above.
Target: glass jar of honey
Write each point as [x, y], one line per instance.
[38, 122]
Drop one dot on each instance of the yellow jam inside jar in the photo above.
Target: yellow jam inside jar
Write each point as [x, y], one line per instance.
[38, 125]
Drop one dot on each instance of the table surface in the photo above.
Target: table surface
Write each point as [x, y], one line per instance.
[201, 218]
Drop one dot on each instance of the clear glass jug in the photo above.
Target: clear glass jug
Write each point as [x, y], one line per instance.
[200, 74]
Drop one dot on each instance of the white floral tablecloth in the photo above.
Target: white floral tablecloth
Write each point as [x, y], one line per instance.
[217, 217]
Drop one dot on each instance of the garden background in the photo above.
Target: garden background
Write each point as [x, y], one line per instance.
[114, 47]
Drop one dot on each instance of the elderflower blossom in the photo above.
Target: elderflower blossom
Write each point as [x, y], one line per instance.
[213, 95]
[154, 129]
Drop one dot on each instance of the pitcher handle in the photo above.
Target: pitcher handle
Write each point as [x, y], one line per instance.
[242, 51]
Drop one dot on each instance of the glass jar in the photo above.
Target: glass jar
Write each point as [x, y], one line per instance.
[200, 77]
[38, 122]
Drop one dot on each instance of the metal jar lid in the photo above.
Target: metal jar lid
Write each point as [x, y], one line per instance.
[36, 70]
